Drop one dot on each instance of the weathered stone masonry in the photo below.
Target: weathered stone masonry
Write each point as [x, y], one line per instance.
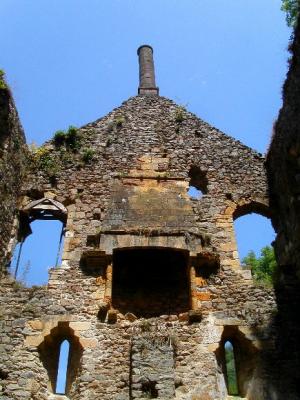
[12, 166]
[150, 285]
[284, 200]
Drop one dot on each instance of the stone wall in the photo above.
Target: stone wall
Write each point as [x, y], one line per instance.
[284, 198]
[138, 178]
[106, 367]
[152, 364]
[12, 164]
[121, 184]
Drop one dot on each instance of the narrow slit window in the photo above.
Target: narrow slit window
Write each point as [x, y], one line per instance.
[62, 371]
[231, 374]
[61, 355]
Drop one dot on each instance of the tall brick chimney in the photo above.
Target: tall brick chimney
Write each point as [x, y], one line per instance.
[147, 84]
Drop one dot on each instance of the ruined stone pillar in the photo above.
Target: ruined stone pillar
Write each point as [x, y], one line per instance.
[147, 84]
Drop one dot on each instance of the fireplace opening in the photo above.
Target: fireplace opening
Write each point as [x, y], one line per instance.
[149, 282]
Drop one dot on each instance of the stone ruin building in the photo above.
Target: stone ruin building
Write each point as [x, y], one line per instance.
[150, 287]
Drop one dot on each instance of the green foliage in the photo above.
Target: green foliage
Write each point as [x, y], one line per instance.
[44, 160]
[65, 156]
[49, 165]
[291, 7]
[179, 114]
[59, 138]
[51, 162]
[88, 155]
[2, 82]
[71, 139]
[263, 268]
[119, 121]
[231, 371]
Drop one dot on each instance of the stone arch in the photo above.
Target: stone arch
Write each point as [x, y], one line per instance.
[245, 354]
[232, 212]
[49, 351]
[245, 206]
[253, 228]
[258, 206]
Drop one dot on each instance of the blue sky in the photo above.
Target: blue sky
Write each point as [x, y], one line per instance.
[70, 62]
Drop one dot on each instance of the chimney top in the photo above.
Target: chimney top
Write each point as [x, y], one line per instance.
[147, 84]
[143, 46]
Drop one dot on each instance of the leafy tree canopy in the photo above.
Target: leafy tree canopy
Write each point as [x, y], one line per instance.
[291, 7]
[263, 267]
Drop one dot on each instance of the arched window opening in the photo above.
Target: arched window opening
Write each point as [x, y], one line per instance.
[231, 376]
[198, 183]
[41, 250]
[61, 354]
[254, 236]
[61, 379]
[237, 358]
[40, 236]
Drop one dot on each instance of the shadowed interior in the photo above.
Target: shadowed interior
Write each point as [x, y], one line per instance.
[150, 282]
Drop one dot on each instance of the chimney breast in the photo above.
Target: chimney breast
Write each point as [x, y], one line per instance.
[146, 67]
